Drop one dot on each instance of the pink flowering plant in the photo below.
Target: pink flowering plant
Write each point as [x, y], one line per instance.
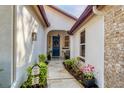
[88, 71]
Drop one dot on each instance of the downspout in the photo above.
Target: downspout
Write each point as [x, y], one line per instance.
[96, 11]
[100, 13]
[13, 62]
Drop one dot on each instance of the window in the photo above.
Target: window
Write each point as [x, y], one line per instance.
[82, 44]
[66, 41]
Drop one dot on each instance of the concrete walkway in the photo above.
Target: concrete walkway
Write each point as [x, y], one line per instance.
[58, 77]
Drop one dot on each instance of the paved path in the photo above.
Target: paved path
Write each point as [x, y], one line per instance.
[58, 77]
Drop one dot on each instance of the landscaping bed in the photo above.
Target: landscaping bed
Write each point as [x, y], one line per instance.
[37, 74]
[77, 76]
[74, 68]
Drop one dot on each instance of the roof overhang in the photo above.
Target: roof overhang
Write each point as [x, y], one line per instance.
[85, 17]
[43, 14]
[63, 12]
[87, 12]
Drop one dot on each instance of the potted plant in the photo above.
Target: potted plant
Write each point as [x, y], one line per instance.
[88, 76]
[49, 55]
[67, 54]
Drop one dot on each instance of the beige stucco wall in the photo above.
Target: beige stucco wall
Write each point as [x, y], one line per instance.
[57, 21]
[6, 30]
[26, 50]
[94, 46]
[62, 39]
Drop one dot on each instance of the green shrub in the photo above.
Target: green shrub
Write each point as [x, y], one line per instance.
[43, 74]
[42, 58]
[74, 61]
[71, 62]
[78, 58]
[28, 83]
[25, 85]
[29, 70]
[68, 62]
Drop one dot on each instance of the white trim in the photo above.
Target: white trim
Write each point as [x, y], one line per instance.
[82, 44]
[13, 64]
[15, 35]
[12, 42]
[82, 57]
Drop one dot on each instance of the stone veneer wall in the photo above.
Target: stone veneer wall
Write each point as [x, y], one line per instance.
[114, 46]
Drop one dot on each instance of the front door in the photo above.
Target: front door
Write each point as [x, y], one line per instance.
[56, 46]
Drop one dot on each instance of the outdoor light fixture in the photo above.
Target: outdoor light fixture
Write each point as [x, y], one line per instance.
[34, 36]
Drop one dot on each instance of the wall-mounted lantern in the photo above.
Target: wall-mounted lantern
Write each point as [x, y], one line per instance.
[34, 36]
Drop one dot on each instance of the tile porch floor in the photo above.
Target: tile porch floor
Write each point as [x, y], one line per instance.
[58, 77]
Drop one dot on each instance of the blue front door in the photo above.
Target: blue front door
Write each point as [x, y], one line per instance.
[56, 46]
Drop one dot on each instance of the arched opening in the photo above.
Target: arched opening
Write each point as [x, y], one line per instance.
[58, 44]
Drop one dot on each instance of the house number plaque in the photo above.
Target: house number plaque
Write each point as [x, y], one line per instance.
[35, 80]
[35, 70]
[35, 74]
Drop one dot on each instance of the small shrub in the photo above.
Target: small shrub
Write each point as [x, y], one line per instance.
[28, 83]
[74, 60]
[70, 62]
[43, 74]
[29, 70]
[78, 58]
[25, 85]
[42, 65]
[42, 58]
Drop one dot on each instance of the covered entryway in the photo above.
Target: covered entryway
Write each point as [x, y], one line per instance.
[58, 43]
[56, 46]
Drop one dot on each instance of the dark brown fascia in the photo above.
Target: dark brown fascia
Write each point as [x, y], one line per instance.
[63, 12]
[43, 14]
[87, 12]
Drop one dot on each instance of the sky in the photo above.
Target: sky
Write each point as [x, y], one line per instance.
[75, 10]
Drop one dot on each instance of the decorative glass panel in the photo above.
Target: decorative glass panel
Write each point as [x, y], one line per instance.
[66, 41]
[82, 50]
[82, 37]
[82, 44]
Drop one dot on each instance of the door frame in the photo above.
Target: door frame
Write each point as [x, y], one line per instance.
[52, 46]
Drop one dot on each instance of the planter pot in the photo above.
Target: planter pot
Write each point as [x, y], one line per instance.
[49, 57]
[46, 62]
[67, 57]
[89, 83]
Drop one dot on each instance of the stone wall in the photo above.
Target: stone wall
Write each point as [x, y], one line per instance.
[114, 46]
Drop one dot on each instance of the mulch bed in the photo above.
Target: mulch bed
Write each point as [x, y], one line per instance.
[38, 86]
[77, 76]
[35, 86]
